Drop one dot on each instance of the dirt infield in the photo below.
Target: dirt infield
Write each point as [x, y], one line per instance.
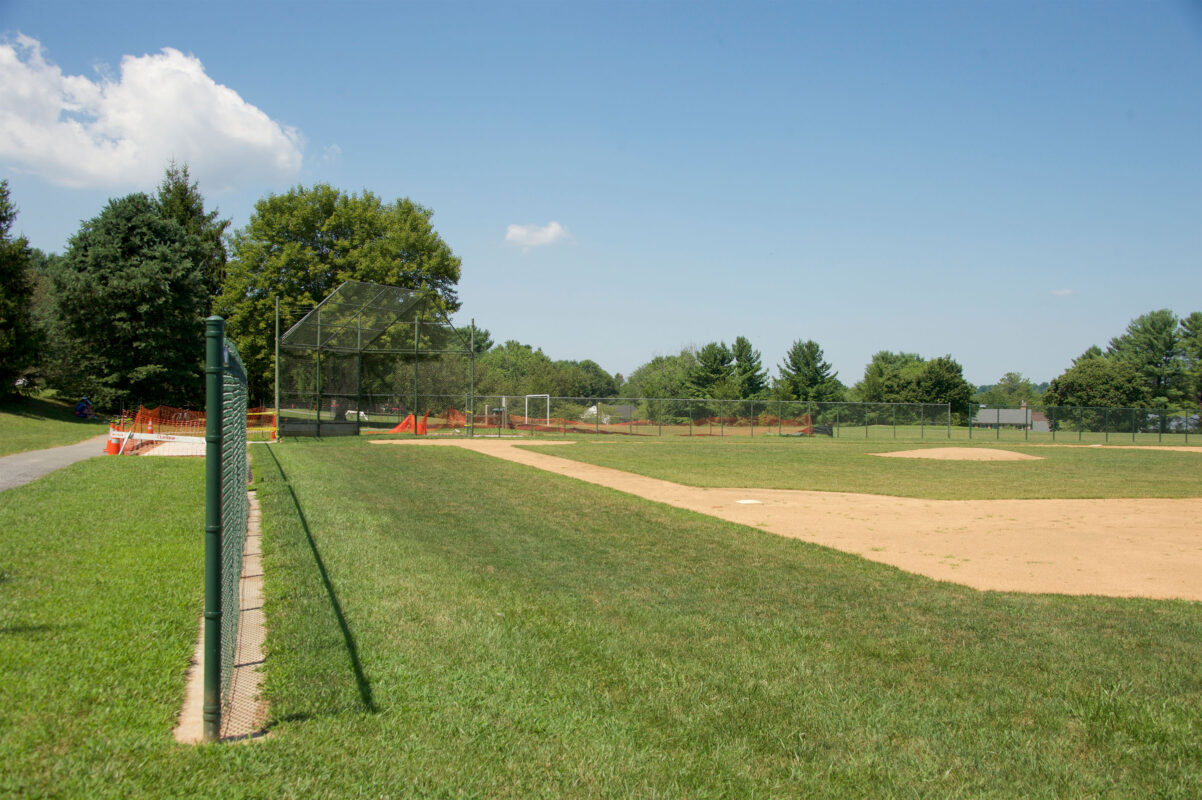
[1119, 548]
[961, 454]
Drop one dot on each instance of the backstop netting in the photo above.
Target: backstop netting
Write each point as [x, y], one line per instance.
[372, 356]
[227, 509]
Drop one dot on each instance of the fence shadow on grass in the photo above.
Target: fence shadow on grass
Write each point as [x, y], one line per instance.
[364, 686]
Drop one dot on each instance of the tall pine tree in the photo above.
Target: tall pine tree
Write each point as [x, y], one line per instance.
[805, 375]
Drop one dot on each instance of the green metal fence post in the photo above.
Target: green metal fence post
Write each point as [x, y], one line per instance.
[949, 419]
[1080, 425]
[214, 339]
[471, 383]
[277, 367]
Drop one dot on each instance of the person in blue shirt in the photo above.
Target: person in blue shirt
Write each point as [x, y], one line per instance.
[83, 408]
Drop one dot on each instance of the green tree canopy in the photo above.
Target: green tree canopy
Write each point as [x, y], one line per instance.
[586, 379]
[714, 373]
[180, 199]
[301, 245]
[20, 337]
[1152, 344]
[1191, 348]
[1093, 351]
[1099, 382]
[662, 376]
[514, 368]
[750, 378]
[805, 375]
[941, 380]
[1010, 392]
[890, 378]
[131, 298]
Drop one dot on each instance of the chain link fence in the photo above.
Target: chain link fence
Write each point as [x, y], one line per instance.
[1084, 425]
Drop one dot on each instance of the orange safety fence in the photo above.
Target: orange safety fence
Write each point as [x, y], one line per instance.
[260, 422]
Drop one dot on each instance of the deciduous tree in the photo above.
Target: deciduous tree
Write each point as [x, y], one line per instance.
[941, 380]
[1010, 392]
[20, 339]
[301, 245]
[890, 378]
[1099, 382]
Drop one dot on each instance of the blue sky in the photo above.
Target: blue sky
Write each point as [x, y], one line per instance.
[1006, 182]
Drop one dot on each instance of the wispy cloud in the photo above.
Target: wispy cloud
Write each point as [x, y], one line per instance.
[331, 154]
[1062, 292]
[527, 236]
[118, 131]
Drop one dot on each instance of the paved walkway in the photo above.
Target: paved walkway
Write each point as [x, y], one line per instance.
[20, 469]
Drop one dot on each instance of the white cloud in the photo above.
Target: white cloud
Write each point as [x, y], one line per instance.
[76, 132]
[528, 236]
[1062, 292]
[331, 154]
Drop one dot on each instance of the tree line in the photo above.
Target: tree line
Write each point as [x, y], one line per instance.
[119, 316]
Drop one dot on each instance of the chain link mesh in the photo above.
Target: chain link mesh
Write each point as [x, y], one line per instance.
[235, 508]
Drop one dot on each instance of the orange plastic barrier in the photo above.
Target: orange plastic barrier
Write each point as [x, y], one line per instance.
[408, 425]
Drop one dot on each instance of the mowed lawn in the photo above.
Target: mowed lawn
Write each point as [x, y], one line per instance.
[34, 424]
[445, 624]
[1062, 471]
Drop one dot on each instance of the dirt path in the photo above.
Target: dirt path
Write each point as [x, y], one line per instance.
[1120, 548]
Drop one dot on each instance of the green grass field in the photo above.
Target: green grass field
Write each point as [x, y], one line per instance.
[847, 466]
[445, 624]
[34, 424]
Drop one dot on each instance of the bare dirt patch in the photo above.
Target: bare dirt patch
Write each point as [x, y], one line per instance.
[1120, 548]
[961, 454]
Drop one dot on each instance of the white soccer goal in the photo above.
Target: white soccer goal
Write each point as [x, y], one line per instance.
[546, 397]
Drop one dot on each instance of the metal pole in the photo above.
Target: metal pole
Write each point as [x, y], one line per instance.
[471, 388]
[319, 373]
[277, 366]
[949, 420]
[214, 351]
[416, 329]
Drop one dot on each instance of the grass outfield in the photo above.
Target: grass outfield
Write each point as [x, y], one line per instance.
[445, 624]
[848, 466]
[34, 424]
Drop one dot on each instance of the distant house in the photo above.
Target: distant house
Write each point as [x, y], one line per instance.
[1011, 418]
[621, 413]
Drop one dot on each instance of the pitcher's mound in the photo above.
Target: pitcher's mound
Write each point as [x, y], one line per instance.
[962, 454]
